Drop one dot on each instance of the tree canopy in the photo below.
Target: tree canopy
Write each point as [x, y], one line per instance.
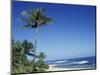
[20, 62]
[35, 18]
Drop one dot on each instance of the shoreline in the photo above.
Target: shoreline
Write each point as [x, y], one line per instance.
[52, 68]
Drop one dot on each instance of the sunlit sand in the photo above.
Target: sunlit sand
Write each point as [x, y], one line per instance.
[53, 68]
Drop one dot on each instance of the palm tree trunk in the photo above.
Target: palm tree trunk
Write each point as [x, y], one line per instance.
[34, 59]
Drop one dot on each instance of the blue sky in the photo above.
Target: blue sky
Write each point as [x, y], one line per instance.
[70, 35]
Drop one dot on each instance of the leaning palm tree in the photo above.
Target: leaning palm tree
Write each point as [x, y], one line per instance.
[34, 19]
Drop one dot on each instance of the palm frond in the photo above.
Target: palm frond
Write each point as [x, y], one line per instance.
[26, 26]
[35, 18]
[25, 13]
[46, 20]
[27, 20]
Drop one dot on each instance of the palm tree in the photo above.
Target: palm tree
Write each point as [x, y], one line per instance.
[34, 19]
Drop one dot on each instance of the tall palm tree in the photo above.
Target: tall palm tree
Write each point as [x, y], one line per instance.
[34, 19]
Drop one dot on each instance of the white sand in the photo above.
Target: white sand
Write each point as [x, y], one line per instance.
[52, 68]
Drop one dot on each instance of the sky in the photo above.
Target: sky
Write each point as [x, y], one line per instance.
[70, 35]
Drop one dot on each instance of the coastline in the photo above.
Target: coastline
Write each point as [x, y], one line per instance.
[53, 68]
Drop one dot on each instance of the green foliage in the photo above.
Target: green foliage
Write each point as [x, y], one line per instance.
[42, 55]
[40, 66]
[35, 18]
[20, 63]
[19, 52]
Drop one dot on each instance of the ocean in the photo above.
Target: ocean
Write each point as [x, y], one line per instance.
[84, 62]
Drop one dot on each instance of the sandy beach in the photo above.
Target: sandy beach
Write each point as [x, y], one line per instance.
[53, 68]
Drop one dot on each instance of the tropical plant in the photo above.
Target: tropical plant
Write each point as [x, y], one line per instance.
[34, 19]
[41, 55]
[20, 62]
[40, 66]
[19, 59]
